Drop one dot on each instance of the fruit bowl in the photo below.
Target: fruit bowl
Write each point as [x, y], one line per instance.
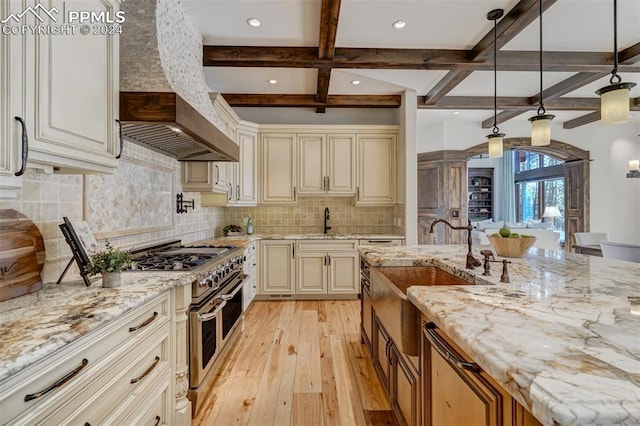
[511, 247]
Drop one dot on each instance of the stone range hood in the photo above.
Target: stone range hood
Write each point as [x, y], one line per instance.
[164, 99]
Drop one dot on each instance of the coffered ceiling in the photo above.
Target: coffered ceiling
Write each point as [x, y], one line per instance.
[315, 49]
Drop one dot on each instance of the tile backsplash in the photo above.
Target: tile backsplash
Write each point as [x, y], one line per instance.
[136, 207]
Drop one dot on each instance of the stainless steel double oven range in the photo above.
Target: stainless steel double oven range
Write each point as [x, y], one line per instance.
[216, 305]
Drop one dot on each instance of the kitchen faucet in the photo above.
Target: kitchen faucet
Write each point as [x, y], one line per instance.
[472, 262]
[326, 220]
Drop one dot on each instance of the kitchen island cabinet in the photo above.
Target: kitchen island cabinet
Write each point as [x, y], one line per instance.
[76, 355]
[63, 89]
[560, 339]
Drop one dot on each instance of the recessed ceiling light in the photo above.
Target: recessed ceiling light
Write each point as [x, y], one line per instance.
[273, 81]
[254, 22]
[455, 112]
[355, 82]
[398, 25]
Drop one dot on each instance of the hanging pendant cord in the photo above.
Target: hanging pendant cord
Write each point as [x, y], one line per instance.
[541, 109]
[495, 77]
[615, 78]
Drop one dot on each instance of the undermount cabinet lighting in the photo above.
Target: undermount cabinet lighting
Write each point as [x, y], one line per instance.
[398, 25]
[614, 98]
[254, 22]
[541, 122]
[273, 81]
[355, 82]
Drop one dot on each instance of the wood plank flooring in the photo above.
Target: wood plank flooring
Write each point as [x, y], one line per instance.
[297, 363]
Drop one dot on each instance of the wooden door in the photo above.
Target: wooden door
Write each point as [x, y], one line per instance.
[312, 164]
[343, 273]
[247, 169]
[278, 169]
[341, 164]
[376, 184]
[72, 95]
[277, 267]
[311, 273]
[576, 205]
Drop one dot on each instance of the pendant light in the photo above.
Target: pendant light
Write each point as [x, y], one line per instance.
[541, 122]
[496, 138]
[614, 101]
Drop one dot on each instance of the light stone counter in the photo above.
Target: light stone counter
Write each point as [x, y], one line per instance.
[36, 325]
[562, 337]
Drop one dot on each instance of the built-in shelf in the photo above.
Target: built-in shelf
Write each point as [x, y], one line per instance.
[480, 193]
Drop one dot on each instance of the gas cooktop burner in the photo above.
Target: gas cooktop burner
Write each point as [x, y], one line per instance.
[172, 261]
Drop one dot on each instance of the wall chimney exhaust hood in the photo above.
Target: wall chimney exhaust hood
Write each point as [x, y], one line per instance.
[164, 99]
[166, 123]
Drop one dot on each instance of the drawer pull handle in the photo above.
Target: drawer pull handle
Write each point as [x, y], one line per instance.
[447, 353]
[157, 421]
[25, 147]
[121, 139]
[144, 324]
[58, 382]
[147, 371]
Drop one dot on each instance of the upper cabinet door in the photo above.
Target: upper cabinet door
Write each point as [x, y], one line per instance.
[71, 92]
[312, 167]
[341, 164]
[376, 169]
[278, 169]
[247, 176]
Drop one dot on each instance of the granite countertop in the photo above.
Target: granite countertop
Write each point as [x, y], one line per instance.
[36, 325]
[562, 337]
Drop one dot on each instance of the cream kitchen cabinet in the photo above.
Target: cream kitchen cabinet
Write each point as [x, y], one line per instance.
[111, 374]
[249, 268]
[278, 169]
[376, 177]
[326, 164]
[277, 268]
[227, 183]
[64, 88]
[327, 267]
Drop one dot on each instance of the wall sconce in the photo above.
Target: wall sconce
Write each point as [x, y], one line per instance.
[634, 169]
[183, 206]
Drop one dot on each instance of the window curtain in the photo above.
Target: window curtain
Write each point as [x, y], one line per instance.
[508, 188]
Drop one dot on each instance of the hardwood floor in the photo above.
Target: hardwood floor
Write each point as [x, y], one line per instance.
[297, 363]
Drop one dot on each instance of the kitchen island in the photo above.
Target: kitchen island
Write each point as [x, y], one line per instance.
[563, 338]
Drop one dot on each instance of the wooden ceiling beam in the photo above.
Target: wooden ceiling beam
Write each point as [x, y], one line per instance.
[634, 105]
[501, 117]
[516, 20]
[329, 15]
[512, 102]
[436, 59]
[309, 101]
[630, 55]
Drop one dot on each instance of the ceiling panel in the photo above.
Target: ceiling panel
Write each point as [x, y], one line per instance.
[523, 83]
[383, 81]
[255, 80]
[284, 22]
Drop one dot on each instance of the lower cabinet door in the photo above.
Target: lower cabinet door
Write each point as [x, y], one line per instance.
[405, 389]
[311, 273]
[344, 273]
[456, 392]
[381, 347]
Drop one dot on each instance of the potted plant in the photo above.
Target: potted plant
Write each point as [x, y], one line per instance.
[232, 230]
[109, 262]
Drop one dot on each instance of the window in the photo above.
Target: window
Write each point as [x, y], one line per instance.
[539, 182]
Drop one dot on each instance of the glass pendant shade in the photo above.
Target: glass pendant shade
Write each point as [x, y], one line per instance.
[614, 103]
[496, 145]
[541, 129]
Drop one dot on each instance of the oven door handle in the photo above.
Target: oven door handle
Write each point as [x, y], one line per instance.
[237, 286]
[211, 315]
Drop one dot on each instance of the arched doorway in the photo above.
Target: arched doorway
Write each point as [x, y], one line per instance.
[442, 177]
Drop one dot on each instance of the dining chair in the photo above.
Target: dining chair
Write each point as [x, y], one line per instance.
[590, 238]
[620, 251]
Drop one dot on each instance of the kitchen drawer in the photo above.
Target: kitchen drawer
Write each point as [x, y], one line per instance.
[130, 375]
[382, 241]
[152, 410]
[327, 245]
[100, 348]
